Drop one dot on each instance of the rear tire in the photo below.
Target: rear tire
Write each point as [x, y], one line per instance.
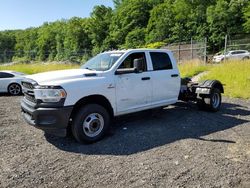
[90, 123]
[14, 89]
[245, 58]
[212, 103]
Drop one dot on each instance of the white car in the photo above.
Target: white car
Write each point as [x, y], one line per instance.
[10, 82]
[230, 55]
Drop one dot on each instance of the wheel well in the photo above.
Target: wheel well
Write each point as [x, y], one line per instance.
[219, 86]
[96, 99]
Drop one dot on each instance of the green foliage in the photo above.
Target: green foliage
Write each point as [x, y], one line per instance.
[154, 45]
[225, 17]
[130, 15]
[135, 38]
[160, 23]
[99, 27]
[247, 18]
[132, 24]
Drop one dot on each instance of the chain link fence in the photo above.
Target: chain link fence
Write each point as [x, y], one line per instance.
[185, 51]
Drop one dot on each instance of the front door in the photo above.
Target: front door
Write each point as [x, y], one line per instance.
[133, 90]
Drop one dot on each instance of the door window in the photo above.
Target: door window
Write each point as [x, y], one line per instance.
[6, 75]
[161, 61]
[129, 61]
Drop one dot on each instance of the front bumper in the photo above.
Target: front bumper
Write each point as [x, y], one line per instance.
[52, 120]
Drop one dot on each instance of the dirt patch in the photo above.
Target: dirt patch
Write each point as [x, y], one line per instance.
[176, 147]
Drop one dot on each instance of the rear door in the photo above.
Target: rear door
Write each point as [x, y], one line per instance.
[165, 78]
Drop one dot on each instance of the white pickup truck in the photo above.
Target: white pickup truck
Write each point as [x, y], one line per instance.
[111, 84]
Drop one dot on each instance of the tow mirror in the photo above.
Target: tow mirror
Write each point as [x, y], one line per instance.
[138, 65]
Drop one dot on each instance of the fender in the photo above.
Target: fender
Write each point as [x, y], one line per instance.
[206, 87]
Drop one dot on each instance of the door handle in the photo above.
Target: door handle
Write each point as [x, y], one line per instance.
[174, 75]
[145, 78]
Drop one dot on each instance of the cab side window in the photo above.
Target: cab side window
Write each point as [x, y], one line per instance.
[129, 61]
[6, 75]
[161, 61]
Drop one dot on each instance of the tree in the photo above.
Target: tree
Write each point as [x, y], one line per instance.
[247, 18]
[135, 38]
[225, 18]
[160, 23]
[99, 23]
[131, 14]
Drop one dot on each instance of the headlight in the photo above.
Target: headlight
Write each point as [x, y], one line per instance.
[50, 95]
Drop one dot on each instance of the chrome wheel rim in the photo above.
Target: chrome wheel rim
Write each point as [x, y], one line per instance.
[93, 124]
[14, 89]
[215, 100]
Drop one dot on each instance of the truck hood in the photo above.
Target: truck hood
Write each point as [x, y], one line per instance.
[62, 75]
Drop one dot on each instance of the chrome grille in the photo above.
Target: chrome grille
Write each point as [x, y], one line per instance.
[28, 91]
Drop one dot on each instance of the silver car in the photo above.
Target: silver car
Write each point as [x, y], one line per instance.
[10, 82]
[231, 55]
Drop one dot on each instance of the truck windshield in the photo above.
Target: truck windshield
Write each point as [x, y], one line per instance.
[102, 62]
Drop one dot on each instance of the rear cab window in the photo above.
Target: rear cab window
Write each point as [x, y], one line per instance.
[161, 61]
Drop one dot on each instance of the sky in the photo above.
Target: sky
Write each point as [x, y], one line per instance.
[21, 14]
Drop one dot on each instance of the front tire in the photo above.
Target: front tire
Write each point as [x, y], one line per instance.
[90, 123]
[14, 89]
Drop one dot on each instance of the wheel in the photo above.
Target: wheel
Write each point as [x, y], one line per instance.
[14, 89]
[245, 58]
[90, 123]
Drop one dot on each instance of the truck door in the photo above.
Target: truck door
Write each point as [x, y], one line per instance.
[133, 90]
[165, 79]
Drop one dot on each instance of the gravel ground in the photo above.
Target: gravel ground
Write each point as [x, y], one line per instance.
[176, 147]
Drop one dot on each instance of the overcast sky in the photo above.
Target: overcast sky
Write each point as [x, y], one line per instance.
[21, 14]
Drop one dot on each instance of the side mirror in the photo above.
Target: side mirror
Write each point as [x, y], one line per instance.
[139, 65]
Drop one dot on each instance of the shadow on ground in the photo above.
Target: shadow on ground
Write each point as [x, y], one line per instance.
[143, 131]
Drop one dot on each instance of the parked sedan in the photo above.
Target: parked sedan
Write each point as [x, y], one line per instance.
[230, 55]
[10, 82]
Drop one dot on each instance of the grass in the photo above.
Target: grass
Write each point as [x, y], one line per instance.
[38, 67]
[192, 68]
[235, 75]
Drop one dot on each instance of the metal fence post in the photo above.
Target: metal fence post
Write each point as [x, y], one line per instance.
[191, 48]
[225, 47]
[179, 52]
[205, 51]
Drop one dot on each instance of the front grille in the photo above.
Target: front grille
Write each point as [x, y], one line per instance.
[28, 91]
[30, 97]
